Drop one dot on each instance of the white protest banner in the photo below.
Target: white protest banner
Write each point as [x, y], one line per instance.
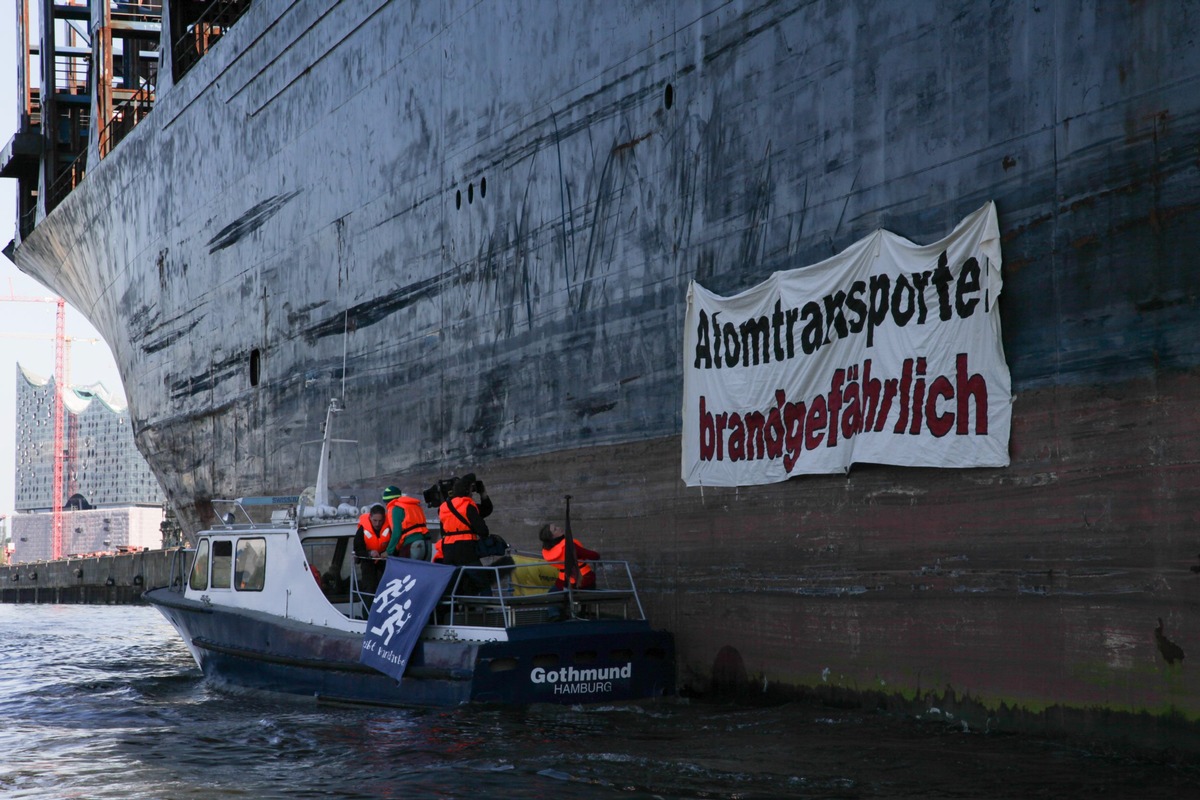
[887, 353]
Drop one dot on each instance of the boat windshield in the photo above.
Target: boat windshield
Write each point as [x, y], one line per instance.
[199, 577]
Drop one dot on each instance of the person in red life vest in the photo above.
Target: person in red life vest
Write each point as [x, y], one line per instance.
[371, 541]
[407, 520]
[554, 550]
[463, 529]
[462, 522]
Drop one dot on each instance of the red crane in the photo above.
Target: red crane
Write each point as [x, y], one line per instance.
[60, 382]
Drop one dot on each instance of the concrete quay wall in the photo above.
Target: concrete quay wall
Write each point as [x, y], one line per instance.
[102, 580]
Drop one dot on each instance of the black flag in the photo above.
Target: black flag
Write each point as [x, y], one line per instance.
[570, 563]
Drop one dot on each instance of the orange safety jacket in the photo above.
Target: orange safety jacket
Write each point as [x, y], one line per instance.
[413, 521]
[557, 554]
[453, 528]
[373, 539]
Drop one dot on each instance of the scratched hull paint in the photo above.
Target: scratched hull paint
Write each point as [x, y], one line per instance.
[478, 221]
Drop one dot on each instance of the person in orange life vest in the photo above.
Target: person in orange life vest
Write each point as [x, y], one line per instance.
[554, 550]
[371, 541]
[462, 522]
[407, 520]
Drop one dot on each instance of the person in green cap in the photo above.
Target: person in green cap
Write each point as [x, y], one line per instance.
[410, 533]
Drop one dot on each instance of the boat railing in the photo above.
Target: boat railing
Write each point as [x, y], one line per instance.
[512, 595]
[360, 599]
[177, 571]
[523, 592]
[237, 513]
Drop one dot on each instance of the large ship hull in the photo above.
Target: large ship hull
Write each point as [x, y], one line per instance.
[478, 222]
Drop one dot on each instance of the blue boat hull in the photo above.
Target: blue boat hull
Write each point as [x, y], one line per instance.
[597, 661]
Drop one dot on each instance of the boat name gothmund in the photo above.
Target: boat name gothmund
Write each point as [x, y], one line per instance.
[581, 681]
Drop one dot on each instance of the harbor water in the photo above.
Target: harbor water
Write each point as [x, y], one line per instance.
[105, 702]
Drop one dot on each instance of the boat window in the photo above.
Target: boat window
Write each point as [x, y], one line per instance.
[328, 555]
[199, 579]
[222, 563]
[250, 565]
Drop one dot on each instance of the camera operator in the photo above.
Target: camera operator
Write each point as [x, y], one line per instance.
[462, 522]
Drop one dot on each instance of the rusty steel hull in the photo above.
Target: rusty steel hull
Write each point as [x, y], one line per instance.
[477, 222]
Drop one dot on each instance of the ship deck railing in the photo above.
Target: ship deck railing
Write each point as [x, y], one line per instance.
[69, 176]
[203, 31]
[125, 117]
[136, 12]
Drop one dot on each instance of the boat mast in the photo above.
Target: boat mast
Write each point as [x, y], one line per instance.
[322, 489]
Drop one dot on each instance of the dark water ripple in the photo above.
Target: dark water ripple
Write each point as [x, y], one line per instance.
[102, 702]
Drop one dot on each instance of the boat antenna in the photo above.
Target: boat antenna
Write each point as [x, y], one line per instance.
[322, 489]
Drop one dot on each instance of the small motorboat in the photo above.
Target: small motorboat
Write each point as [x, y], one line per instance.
[273, 599]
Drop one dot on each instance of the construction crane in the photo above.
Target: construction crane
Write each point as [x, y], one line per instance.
[68, 340]
[60, 381]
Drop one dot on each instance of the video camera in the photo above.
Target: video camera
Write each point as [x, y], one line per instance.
[438, 493]
[443, 490]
